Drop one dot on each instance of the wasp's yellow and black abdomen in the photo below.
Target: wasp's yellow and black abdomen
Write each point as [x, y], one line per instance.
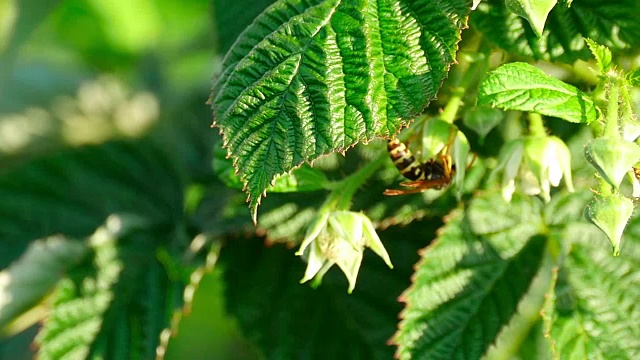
[404, 161]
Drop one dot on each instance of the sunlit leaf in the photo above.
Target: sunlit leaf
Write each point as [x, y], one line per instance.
[313, 77]
[520, 86]
[602, 54]
[534, 11]
[8, 15]
[594, 310]
[467, 286]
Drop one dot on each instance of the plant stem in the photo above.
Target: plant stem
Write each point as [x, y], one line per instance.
[611, 128]
[611, 121]
[343, 191]
[627, 110]
[536, 125]
[471, 72]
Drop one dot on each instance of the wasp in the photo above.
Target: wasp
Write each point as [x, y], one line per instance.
[433, 174]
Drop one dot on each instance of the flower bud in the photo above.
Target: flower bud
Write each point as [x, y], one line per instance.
[436, 134]
[460, 153]
[610, 214]
[612, 157]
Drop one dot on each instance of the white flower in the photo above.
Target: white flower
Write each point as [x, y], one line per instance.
[539, 162]
[339, 237]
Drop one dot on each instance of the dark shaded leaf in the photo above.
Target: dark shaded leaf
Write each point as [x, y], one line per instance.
[74, 191]
[594, 311]
[610, 23]
[292, 321]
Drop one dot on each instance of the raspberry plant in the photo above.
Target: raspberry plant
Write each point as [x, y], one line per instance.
[118, 200]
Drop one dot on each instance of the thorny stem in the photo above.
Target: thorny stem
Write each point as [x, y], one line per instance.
[611, 128]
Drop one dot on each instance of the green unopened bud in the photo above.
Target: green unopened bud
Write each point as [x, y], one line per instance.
[610, 214]
[535, 12]
[540, 162]
[436, 134]
[612, 157]
[509, 164]
[482, 120]
[460, 153]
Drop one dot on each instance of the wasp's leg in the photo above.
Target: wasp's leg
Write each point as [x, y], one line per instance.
[394, 192]
[418, 186]
[427, 184]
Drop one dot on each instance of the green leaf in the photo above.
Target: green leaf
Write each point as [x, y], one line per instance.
[467, 286]
[602, 54]
[520, 86]
[314, 77]
[115, 305]
[610, 23]
[287, 320]
[482, 120]
[232, 17]
[534, 11]
[594, 313]
[74, 191]
[31, 277]
[303, 178]
[634, 77]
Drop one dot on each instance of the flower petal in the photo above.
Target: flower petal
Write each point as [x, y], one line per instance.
[348, 225]
[350, 266]
[314, 263]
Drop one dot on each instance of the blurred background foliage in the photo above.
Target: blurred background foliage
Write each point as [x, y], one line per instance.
[83, 73]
